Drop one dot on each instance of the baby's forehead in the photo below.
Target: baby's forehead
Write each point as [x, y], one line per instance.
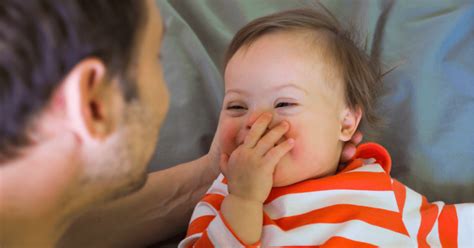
[292, 48]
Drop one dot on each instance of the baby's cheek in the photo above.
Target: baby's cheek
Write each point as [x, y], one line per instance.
[299, 140]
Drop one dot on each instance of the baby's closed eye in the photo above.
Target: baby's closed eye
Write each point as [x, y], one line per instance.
[285, 104]
[237, 107]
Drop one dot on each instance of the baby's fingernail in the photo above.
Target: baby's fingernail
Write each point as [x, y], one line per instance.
[291, 141]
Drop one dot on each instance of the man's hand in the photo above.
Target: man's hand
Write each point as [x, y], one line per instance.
[349, 149]
[249, 169]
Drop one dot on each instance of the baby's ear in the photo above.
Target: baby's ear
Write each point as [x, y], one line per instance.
[349, 122]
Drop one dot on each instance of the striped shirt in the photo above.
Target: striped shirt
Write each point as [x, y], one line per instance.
[360, 206]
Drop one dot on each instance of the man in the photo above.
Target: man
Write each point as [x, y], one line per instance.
[82, 98]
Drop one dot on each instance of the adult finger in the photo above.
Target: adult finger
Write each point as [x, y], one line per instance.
[348, 151]
[257, 130]
[356, 138]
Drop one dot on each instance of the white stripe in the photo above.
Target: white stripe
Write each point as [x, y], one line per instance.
[203, 209]
[465, 214]
[300, 203]
[218, 187]
[368, 168]
[220, 236]
[411, 212]
[189, 240]
[317, 234]
[433, 236]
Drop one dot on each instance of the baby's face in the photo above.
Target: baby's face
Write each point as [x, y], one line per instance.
[282, 74]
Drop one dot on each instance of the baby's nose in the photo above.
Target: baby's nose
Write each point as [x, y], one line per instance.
[254, 117]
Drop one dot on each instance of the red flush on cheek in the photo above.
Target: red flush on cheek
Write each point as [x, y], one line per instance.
[292, 133]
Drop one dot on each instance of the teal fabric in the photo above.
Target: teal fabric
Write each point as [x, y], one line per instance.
[429, 103]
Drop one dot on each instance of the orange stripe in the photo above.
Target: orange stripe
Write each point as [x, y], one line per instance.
[428, 212]
[199, 225]
[298, 246]
[400, 194]
[448, 227]
[378, 181]
[343, 213]
[337, 242]
[204, 241]
[353, 165]
[235, 235]
[267, 220]
[215, 200]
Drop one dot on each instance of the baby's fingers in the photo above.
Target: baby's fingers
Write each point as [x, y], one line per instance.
[276, 153]
[257, 130]
[271, 138]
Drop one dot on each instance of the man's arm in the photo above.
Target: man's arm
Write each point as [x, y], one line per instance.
[161, 209]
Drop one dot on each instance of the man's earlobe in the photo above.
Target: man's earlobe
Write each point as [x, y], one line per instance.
[86, 105]
[349, 123]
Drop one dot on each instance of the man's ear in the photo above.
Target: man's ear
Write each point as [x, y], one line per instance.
[86, 102]
[349, 122]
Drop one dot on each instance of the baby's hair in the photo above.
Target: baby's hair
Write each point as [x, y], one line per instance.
[361, 73]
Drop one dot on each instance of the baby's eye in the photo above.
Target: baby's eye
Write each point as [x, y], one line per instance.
[284, 104]
[235, 107]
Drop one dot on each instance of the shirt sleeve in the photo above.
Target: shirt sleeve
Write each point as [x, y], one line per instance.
[435, 224]
[207, 227]
[465, 224]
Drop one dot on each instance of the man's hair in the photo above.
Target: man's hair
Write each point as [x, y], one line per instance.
[361, 73]
[42, 40]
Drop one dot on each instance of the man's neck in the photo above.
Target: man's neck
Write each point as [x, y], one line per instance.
[41, 232]
[38, 199]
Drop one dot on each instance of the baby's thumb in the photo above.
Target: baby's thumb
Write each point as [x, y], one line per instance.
[223, 161]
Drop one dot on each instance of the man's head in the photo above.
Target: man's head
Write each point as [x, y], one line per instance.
[305, 69]
[82, 98]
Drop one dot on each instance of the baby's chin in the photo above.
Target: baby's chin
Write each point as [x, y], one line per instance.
[283, 175]
[286, 174]
[282, 180]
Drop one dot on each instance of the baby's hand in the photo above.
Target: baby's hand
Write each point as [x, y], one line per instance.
[249, 169]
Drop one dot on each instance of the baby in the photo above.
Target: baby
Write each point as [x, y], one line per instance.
[297, 88]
